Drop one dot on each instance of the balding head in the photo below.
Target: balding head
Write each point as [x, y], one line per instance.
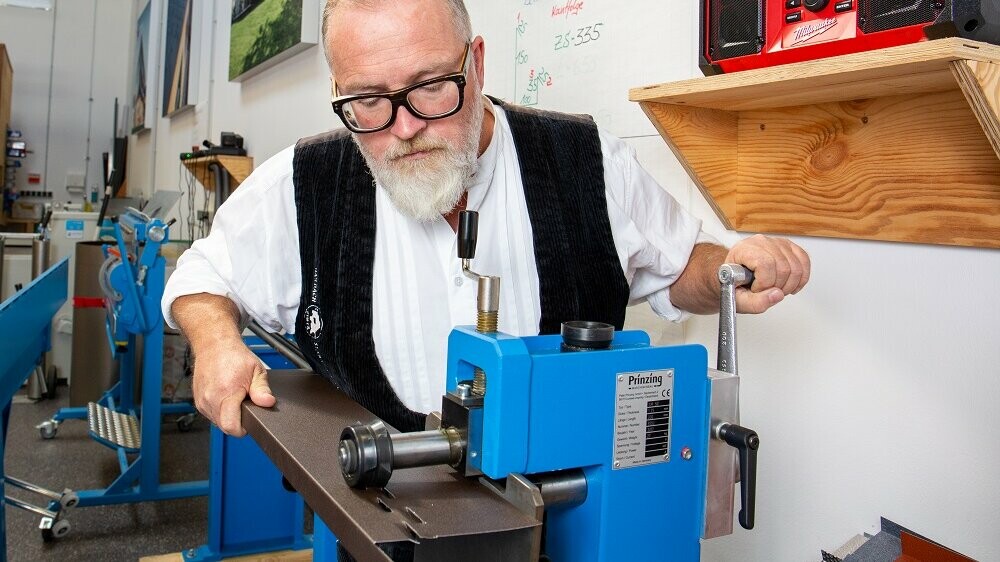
[460, 21]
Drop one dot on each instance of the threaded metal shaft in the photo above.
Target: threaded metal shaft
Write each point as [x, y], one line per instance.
[487, 322]
[479, 383]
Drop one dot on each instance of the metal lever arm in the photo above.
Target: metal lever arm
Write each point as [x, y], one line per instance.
[746, 442]
[731, 276]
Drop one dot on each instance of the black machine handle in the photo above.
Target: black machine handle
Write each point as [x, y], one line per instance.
[468, 229]
[746, 442]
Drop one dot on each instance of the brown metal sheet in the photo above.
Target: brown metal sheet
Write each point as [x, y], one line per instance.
[918, 549]
[300, 435]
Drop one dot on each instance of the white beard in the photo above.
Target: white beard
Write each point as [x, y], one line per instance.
[428, 188]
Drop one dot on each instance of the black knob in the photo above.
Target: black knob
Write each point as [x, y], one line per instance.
[468, 229]
[815, 5]
[746, 442]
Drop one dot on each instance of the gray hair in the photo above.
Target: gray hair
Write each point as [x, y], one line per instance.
[459, 17]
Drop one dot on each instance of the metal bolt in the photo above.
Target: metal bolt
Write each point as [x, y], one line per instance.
[473, 454]
[686, 453]
[617, 464]
[670, 374]
[666, 457]
[621, 378]
[463, 390]
[191, 553]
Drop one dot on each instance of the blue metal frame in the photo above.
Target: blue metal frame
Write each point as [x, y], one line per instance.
[249, 510]
[548, 410]
[25, 336]
[140, 280]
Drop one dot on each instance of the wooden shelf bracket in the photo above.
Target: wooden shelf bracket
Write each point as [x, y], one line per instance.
[900, 144]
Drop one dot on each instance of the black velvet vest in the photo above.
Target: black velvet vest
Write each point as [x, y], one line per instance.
[580, 277]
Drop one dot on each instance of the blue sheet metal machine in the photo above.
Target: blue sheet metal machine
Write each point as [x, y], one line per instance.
[625, 450]
[132, 278]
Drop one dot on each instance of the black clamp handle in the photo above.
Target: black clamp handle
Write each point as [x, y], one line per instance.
[468, 231]
[746, 443]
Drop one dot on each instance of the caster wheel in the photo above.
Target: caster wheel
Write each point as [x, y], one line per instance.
[61, 528]
[47, 429]
[185, 423]
[69, 499]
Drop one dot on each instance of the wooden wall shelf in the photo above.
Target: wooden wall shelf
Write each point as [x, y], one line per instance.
[900, 144]
[239, 167]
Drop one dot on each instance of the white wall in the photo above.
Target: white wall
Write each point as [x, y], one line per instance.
[79, 52]
[873, 390]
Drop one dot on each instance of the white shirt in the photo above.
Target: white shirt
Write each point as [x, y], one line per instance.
[419, 291]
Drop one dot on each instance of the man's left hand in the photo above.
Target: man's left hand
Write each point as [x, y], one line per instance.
[780, 268]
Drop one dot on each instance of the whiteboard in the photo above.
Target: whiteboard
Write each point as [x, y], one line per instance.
[582, 56]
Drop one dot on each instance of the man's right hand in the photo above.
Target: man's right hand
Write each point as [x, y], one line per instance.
[225, 370]
[223, 377]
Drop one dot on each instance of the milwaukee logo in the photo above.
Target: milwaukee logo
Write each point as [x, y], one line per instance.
[645, 379]
[809, 30]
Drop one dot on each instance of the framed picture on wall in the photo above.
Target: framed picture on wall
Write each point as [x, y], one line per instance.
[266, 32]
[180, 57]
[143, 78]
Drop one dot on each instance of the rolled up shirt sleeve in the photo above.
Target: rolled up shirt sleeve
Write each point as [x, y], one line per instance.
[654, 235]
[251, 255]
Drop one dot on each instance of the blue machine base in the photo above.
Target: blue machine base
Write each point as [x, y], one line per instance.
[249, 510]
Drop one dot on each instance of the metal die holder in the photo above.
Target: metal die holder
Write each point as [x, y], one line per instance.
[369, 453]
[722, 459]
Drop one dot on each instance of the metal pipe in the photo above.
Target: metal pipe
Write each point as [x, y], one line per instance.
[39, 256]
[565, 488]
[21, 235]
[220, 183]
[281, 345]
[17, 483]
[426, 448]
[28, 507]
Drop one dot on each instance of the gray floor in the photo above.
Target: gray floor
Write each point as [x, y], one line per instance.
[73, 460]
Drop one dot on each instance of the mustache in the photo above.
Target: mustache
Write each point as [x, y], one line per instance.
[410, 146]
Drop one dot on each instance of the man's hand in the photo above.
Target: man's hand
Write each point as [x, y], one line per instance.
[780, 268]
[225, 370]
[224, 375]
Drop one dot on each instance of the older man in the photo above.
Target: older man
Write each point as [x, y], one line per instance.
[347, 239]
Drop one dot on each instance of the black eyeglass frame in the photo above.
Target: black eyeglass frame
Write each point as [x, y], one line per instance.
[398, 97]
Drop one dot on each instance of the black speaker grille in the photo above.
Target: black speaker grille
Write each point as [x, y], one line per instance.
[736, 28]
[880, 15]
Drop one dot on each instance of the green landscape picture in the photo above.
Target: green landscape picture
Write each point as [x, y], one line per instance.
[261, 30]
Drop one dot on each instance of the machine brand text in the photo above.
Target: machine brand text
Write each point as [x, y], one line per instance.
[645, 379]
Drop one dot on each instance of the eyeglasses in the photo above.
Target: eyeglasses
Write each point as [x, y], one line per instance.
[434, 98]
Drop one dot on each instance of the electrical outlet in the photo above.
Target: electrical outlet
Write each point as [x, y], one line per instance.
[202, 216]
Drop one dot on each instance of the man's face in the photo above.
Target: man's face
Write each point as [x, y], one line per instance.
[423, 164]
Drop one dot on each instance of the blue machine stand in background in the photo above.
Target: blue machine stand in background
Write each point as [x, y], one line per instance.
[132, 278]
[25, 336]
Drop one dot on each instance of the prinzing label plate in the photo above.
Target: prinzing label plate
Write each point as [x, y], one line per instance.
[642, 418]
